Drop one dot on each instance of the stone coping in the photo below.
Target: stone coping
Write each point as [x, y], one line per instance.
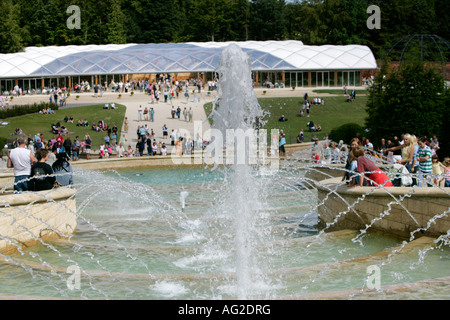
[28, 197]
[148, 161]
[335, 184]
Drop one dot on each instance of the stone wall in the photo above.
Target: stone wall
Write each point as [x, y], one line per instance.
[395, 211]
[30, 216]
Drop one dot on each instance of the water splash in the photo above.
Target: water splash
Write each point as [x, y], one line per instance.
[236, 108]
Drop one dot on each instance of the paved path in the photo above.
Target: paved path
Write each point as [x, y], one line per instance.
[162, 109]
[132, 103]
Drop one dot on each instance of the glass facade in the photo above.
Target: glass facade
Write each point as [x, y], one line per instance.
[274, 63]
[319, 79]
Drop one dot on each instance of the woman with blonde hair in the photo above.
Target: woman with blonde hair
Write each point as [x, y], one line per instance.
[407, 151]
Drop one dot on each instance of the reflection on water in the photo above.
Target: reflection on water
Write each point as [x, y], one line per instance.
[134, 241]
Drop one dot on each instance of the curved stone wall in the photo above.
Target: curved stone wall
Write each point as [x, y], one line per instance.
[30, 217]
[395, 211]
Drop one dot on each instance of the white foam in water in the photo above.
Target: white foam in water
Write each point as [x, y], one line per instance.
[204, 259]
[188, 238]
[169, 289]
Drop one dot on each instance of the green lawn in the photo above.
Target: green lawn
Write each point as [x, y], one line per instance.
[334, 113]
[41, 123]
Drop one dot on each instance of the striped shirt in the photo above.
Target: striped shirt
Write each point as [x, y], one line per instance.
[425, 166]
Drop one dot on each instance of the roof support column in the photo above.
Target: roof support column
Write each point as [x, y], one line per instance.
[309, 79]
[335, 79]
[283, 77]
[42, 84]
[256, 79]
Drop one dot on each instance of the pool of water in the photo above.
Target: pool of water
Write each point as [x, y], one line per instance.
[135, 240]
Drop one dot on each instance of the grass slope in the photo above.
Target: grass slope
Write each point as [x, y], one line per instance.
[41, 123]
[334, 113]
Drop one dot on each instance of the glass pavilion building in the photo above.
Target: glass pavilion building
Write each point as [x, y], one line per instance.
[289, 62]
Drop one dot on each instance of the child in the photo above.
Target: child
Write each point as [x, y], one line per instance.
[316, 157]
[102, 151]
[163, 150]
[446, 168]
[354, 178]
[436, 170]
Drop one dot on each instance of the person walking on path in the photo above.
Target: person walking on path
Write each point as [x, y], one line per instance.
[125, 125]
[140, 113]
[21, 159]
[190, 114]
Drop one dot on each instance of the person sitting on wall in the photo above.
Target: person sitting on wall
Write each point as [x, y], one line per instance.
[42, 177]
[62, 169]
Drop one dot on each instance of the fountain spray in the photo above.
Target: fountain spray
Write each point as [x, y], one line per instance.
[237, 110]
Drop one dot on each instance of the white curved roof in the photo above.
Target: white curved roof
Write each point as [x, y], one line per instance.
[179, 57]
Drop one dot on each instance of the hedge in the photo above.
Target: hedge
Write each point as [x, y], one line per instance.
[20, 110]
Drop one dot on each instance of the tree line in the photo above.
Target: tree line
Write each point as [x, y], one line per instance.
[26, 23]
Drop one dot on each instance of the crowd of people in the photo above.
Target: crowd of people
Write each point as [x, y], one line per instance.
[306, 104]
[415, 162]
[408, 161]
[37, 168]
[42, 165]
[164, 86]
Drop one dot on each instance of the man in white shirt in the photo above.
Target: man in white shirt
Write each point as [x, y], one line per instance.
[21, 159]
[120, 150]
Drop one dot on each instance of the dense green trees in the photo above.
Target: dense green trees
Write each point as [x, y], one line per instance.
[41, 23]
[411, 100]
[10, 35]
